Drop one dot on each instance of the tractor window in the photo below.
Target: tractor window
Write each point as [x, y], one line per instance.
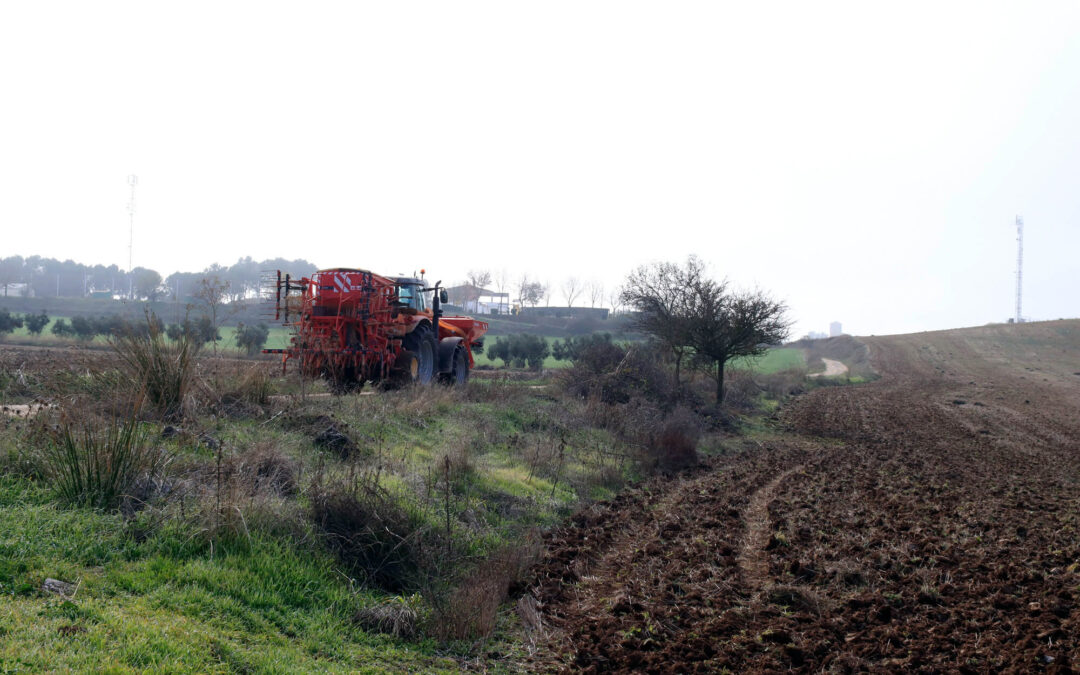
[410, 296]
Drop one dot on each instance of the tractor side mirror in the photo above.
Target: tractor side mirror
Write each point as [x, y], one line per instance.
[444, 297]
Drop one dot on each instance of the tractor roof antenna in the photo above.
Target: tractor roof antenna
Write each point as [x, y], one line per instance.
[133, 180]
[1019, 268]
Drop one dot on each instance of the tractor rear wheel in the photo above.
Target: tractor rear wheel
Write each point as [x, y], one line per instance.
[421, 342]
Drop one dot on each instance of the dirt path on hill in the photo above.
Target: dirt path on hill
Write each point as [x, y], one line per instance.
[925, 522]
[833, 368]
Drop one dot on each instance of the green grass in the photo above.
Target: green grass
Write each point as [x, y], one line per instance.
[167, 594]
[772, 361]
[175, 602]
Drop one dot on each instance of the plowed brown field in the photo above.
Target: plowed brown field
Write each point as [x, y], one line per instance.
[925, 522]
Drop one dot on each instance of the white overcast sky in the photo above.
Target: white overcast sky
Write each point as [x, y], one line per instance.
[863, 161]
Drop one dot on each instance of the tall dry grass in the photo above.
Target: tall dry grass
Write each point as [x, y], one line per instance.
[161, 371]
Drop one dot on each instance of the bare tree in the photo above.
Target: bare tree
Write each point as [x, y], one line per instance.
[692, 314]
[502, 282]
[10, 271]
[547, 294]
[615, 300]
[522, 288]
[212, 294]
[660, 294]
[572, 288]
[596, 292]
[727, 325]
[478, 279]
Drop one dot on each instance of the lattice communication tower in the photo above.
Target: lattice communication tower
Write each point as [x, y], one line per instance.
[1019, 268]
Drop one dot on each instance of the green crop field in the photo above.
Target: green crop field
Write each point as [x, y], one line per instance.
[278, 338]
[772, 361]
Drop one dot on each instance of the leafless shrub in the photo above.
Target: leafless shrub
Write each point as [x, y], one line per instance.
[468, 610]
[240, 493]
[263, 468]
[674, 447]
[457, 458]
[369, 531]
[614, 373]
[740, 390]
[782, 383]
[253, 385]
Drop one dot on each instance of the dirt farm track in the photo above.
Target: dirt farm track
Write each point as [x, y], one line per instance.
[924, 522]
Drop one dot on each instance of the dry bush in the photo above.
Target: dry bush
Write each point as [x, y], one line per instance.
[663, 441]
[263, 468]
[252, 385]
[163, 372]
[616, 374]
[783, 383]
[674, 447]
[467, 610]
[457, 459]
[370, 532]
[740, 390]
[238, 493]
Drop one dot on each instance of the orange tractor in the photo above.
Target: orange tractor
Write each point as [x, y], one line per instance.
[353, 326]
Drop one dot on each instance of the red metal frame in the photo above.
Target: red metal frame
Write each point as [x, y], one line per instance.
[347, 326]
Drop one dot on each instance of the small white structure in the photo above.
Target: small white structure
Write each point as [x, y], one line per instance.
[835, 329]
[17, 290]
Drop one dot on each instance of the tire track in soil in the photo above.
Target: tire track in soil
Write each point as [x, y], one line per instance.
[753, 558]
[626, 584]
[937, 535]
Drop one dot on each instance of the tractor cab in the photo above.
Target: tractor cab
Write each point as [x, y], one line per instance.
[411, 295]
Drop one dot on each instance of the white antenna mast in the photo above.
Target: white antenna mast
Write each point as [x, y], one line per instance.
[133, 180]
[1019, 267]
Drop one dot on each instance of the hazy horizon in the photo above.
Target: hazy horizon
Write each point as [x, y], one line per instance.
[864, 164]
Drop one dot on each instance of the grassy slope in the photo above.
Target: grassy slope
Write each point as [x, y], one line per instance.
[172, 597]
[168, 604]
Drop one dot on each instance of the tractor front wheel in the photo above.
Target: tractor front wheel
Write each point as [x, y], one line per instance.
[459, 369]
